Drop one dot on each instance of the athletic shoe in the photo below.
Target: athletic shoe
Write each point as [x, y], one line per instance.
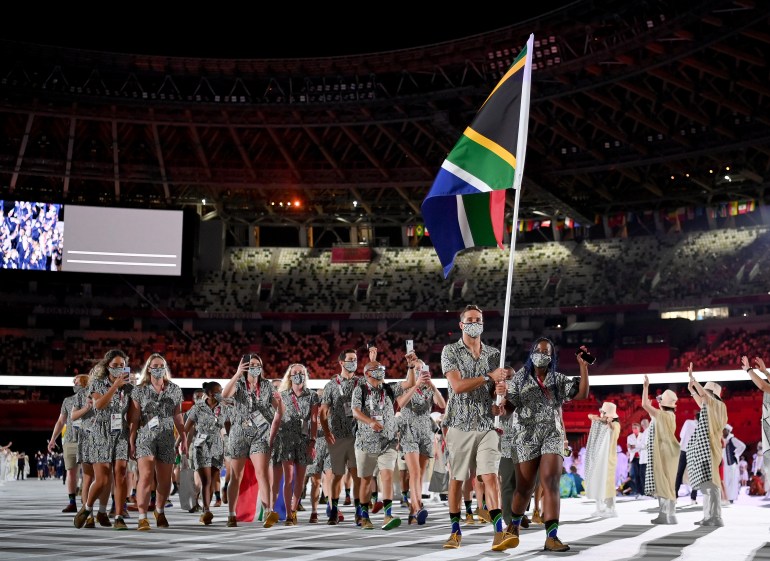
[347, 501]
[391, 522]
[536, 518]
[206, 518]
[161, 521]
[300, 508]
[70, 508]
[218, 503]
[103, 519]
[504, 540]
[333, 521]
[555, 544]
[469, 518]
[232, 521]
[524, 521]
[422, 516]
[169, 504]
[143, 525]
[366, 524]
[313, 518]
[271, 519]
[377, 507]
[483, 515]
[90, 523]
[120, 524]
[340, 517]
[174, 490]
[454, 541]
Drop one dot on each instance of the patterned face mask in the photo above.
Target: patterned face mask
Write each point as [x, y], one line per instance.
[377, 373]
[158, 373]
[541, 360]
[200, 398]
[350, 365]
[76, 388]
[473, 329]
[218, 396]
[255, 371]
[297, 378]
[116, 371]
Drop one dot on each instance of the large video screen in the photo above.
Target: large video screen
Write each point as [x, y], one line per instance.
[33, 236]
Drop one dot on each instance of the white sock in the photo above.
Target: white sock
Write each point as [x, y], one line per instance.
[102, 508]
[143, 516]
[159, 510]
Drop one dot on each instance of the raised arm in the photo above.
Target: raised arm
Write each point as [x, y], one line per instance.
[229, 389]
[761, 383]
[646, 405]
[696, 390]
[584, 386]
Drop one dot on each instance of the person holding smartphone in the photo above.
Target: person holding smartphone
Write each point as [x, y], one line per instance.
[416, 396]
[110, 393]
[255, 418]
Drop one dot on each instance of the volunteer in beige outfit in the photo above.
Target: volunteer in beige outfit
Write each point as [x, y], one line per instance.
[602, 459]
[663, 454]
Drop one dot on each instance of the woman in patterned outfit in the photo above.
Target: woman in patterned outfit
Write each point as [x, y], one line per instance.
[255, 419]
[416, 396]
[297, 436]
[204, 427]
[110, 393]
[156, 411]
[537, 392]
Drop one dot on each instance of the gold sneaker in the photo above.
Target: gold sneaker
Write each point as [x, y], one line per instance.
[469, 518]
[366, 524]
[206, 518]
[103, 519]
[120, 524]
[391, 522]
[555, 544]
[160, 520]
[81, 517]
[271, 519]
[291, 519]
[484, 515]
[232, 522]
[536, 518]
[143, 525]
[454, 541]
[504, 540]
[89, 523]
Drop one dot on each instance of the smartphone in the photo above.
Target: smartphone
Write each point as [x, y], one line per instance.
[246, 358]
[589, 358]
[409, 346]
[424, 368]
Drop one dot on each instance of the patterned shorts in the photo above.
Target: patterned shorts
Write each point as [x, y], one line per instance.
[245, 441]
[421, 443]
[533, 441]
[202, 458]
[158, 443]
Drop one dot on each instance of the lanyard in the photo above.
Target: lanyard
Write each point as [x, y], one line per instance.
[542, 387]
[339, 384]
[294, 400]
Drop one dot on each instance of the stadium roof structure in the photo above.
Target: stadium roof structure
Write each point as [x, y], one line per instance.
[636, 107]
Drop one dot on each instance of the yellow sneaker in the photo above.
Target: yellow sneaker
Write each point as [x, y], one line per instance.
[143, 525]
[366, 524]
[120, 524]
[504, 540]
[469, 518]
[90, 523]
[536, 518]
[232, 522]
[454, 541]
[484, 515]
[271, 519]
[555, 544]
[81, 517]
[206, 518]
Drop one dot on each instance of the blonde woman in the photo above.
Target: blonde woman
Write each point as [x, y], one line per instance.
[156, 410]
[110, 393]
[255, 418]
[297, 436]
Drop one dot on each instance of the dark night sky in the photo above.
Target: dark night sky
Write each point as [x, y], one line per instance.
[236, 31]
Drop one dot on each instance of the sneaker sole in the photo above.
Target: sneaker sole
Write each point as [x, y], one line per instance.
[395, 523]
[508, 543]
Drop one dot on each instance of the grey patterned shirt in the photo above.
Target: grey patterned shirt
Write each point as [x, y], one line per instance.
[531, 404]
[337, 393]
[154, 404]
[506, 440]
[119, 404]
[210, 422]
[416, 412]
[470, 411]
[251, 403]
[292, 420]
[71, 434]
[378, 406]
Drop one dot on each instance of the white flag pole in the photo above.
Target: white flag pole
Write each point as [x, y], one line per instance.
[521, 151]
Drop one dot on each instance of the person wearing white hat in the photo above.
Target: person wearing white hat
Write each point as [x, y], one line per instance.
[602, 458]
[663, 453]
[704, 451]
[733, 448]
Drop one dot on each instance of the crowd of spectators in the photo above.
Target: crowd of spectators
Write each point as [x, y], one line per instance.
[30, 236]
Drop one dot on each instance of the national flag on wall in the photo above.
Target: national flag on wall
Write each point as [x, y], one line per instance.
[466, 204]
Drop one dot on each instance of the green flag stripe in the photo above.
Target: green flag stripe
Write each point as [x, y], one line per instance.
[479, 219]
[482, 163]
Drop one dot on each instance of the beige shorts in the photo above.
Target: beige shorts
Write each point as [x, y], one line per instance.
[70, 450]
[367, 462]
[401, 462]
[479, 450]
[343, 455]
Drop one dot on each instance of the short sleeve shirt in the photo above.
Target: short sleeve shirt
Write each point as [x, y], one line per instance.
[207, 420]
[535, 405]
[337, 393]
[469, 411]
[297, 409]
[71, 434]
[252, 402]
[377, 405]
[120, 400]
[161, 405]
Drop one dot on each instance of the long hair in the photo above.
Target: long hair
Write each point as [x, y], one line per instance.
[101, 368]
[145, 377]
[286, 380]
[553, 366]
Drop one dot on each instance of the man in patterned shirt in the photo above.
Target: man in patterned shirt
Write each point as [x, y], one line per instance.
[472, 370]
[338, 425]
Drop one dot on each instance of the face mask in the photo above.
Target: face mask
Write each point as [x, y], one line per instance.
[350, 365]
[218, 396]
[541, 360]
[116, 371]
[473, 329]
[76, 389]
[158, 373]
[297, 378]
[377, 373]
[199, 399]
[255, 371]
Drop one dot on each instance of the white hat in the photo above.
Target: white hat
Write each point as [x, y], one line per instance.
[609, 409]
[729, 427]
[715, 388]
[668, 399]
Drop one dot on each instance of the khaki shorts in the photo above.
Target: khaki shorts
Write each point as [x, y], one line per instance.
[343, 455]
[70, 450]
[479, 450]
[367, 462]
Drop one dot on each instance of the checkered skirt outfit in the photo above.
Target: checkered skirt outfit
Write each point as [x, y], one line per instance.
[704, 451]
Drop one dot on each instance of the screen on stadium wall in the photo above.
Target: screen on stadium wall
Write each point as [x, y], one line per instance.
[86, 239]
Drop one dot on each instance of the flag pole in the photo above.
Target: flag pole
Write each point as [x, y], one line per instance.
[521, 151]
